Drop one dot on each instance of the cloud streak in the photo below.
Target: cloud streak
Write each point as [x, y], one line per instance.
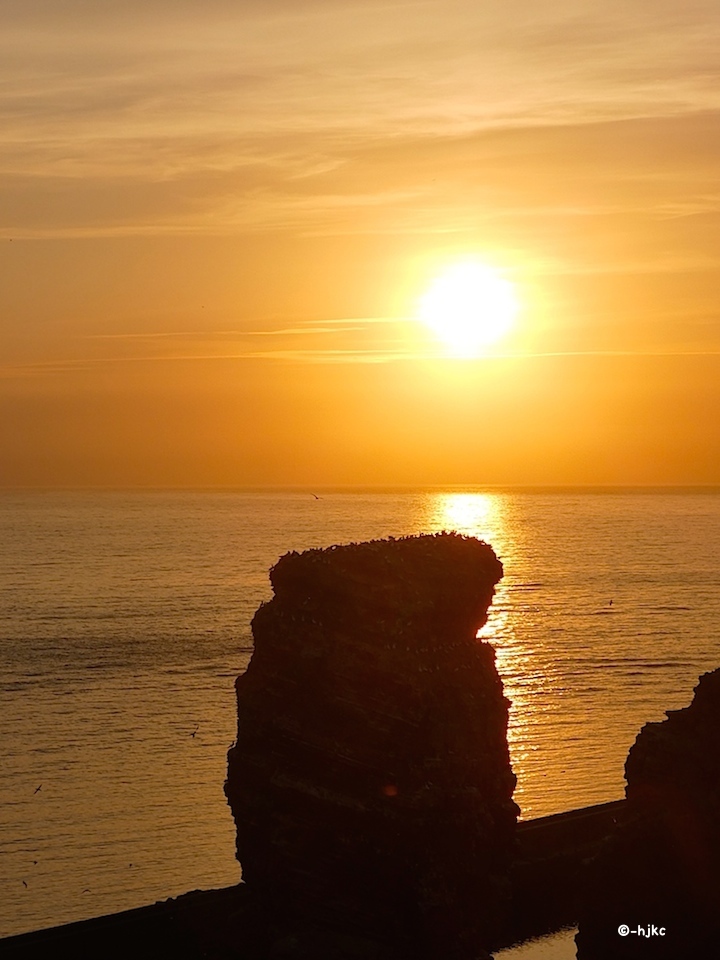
[100, 80]
[367, 340]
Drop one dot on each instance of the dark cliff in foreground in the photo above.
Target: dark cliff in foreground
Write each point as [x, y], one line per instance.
[659, 873]
[370, 782]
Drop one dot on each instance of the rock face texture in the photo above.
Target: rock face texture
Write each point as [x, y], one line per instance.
[370, 783]
[661, 868]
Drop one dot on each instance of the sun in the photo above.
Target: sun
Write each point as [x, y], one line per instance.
[469, 306]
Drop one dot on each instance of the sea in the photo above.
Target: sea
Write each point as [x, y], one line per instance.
[125, 619]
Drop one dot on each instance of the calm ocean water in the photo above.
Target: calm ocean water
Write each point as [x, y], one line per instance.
[124, 619]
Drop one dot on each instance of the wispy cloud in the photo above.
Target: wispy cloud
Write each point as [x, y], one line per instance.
[508, 180]
[366, 340]
[92, 82]
[311, 327]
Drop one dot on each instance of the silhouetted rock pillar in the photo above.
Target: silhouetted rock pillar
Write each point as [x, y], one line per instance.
[370, 782]
[659, 875]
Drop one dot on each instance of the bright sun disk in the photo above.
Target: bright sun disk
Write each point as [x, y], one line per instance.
[468, 307]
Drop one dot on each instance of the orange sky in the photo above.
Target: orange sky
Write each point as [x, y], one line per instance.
[218, 219]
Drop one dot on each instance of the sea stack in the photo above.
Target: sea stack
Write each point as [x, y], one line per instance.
[658, 879]
[370, 783]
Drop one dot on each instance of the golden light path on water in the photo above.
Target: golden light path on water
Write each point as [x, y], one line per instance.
[485, 516]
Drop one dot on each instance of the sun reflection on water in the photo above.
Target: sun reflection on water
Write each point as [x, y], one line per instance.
[486, 516]
[479, 515]
[475, 514]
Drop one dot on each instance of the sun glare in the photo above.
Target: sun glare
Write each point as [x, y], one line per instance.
[468, 307]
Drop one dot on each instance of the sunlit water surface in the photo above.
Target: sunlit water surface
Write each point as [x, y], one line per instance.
[124, 619]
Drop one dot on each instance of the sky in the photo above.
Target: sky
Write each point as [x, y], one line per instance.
[218, 220]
